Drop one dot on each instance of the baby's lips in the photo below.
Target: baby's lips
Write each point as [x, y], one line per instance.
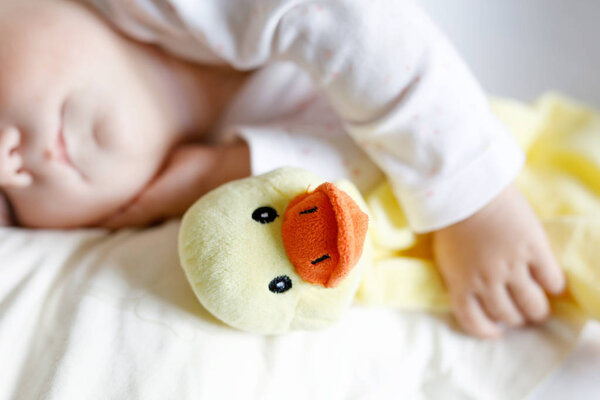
[323, 234]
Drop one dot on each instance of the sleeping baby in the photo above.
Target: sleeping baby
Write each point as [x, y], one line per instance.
[117, 113]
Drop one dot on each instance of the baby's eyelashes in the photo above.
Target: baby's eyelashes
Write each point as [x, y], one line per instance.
[12, 172]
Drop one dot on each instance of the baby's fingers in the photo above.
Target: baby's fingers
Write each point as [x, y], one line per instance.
[472, 318]
[546, 270]
[500, 306]
[131, 217]
[530, 299]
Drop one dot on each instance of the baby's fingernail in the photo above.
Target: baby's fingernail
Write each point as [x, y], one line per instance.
[494, 334]
[497, 335]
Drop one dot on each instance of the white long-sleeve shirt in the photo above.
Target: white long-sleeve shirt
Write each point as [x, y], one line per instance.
[397, 85]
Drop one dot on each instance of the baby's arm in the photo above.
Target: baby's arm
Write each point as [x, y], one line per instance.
[497, 265]
[190, 172]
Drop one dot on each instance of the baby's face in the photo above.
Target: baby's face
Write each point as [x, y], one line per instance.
[80, 133]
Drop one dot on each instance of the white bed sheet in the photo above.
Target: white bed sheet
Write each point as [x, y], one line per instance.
[88, 315]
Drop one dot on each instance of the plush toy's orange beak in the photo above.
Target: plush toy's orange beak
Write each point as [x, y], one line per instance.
[323, 234]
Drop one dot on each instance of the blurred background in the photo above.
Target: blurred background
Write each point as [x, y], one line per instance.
[522, 48]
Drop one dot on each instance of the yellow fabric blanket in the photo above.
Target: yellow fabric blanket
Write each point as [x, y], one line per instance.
[561, 180]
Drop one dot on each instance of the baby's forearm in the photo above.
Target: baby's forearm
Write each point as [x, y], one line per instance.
[191, 171]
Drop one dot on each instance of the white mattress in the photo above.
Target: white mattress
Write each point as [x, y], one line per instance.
[88, 315]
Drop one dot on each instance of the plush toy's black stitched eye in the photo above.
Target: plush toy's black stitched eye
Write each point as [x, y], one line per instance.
[264, 215]
[280, 284]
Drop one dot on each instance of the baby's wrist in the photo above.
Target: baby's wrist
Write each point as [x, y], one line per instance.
[503, 203]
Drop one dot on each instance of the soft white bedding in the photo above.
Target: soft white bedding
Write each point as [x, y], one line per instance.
[90, 315]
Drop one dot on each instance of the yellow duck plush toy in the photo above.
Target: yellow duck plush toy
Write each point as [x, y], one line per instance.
[233, 251]
[286, 250]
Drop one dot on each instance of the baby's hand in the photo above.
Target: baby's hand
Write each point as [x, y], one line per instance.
[191, 171]
[497, 264]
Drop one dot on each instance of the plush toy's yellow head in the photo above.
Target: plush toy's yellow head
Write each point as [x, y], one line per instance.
[258, 273]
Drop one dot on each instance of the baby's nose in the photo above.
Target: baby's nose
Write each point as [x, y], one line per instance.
[11, 162]
[323, 234]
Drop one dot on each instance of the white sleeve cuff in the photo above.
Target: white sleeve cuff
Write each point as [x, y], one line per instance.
[446, 202]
